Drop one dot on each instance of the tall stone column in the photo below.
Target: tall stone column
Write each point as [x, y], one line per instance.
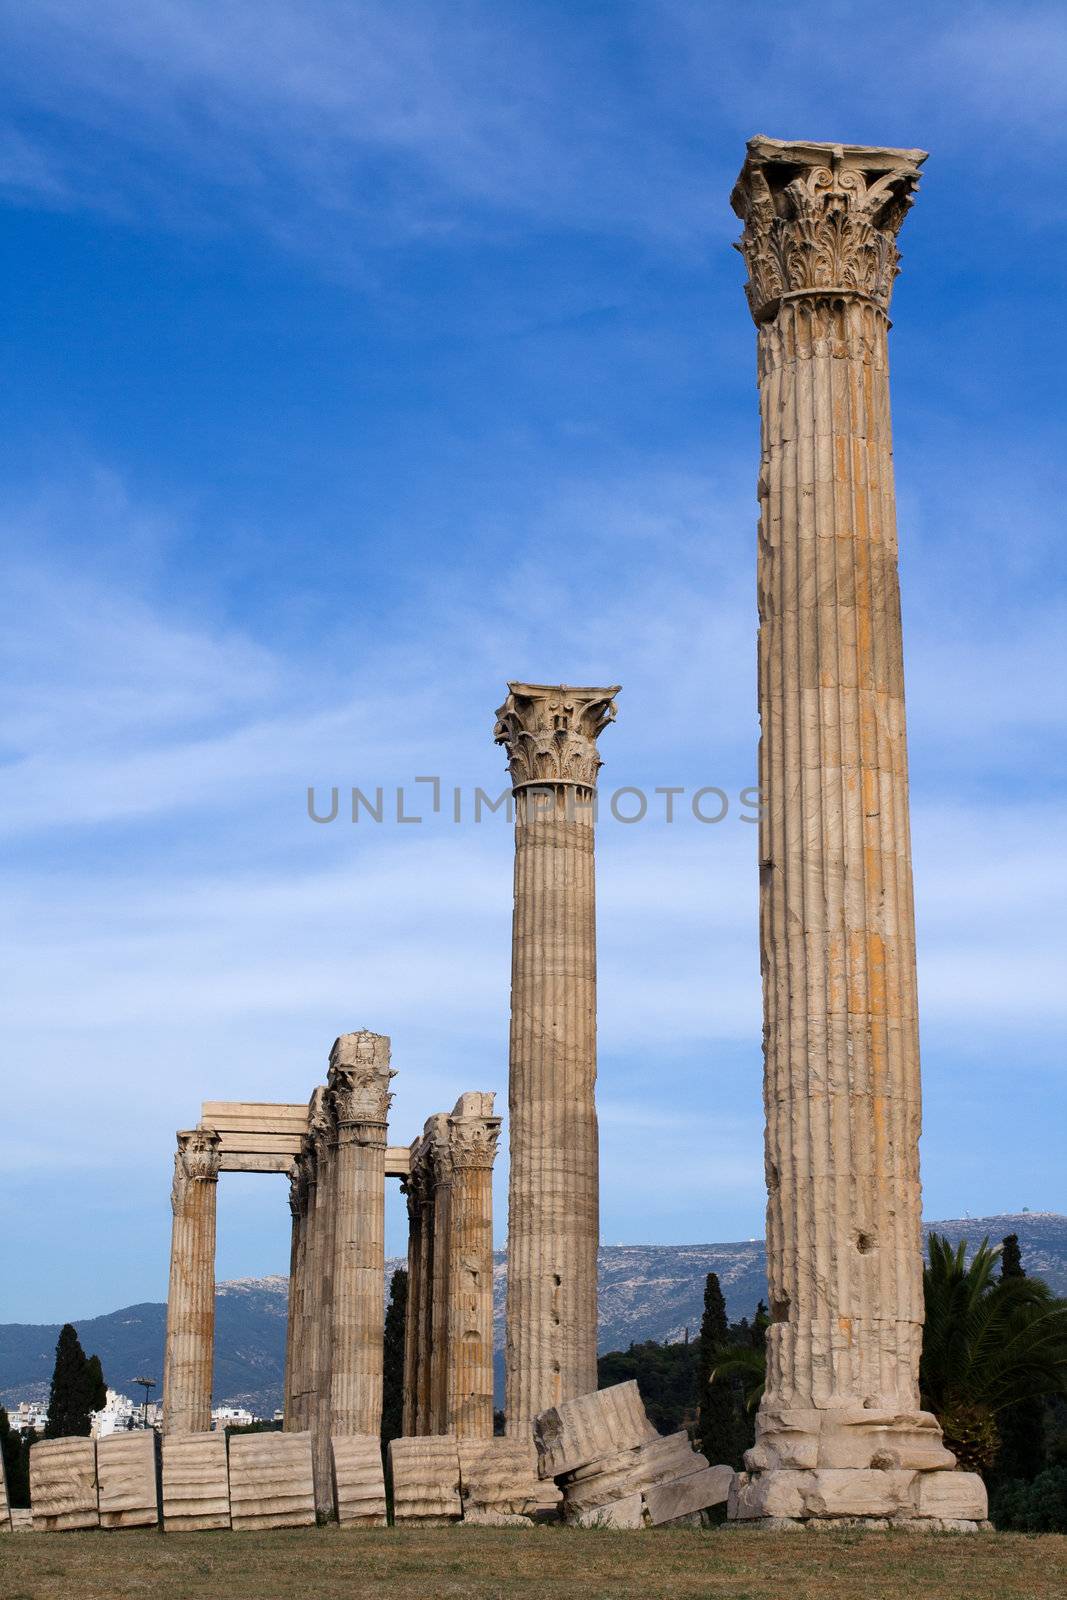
[473, 1134]
[439, 1159]
[550, 736]
[322, 1133]
[841, 1086]
[416, 1343]
[190, 1345]
[294, 1339]
[307, 1373]
[359, 1089]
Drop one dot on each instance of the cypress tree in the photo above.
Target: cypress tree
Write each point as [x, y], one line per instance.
[70, 1400]
[16, 1453]
[719, 1408]
[97, 1385]
[1011, 1257]
[396, 1317]
[1022, 1426]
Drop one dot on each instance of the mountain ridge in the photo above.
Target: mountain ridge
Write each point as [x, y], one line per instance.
[646, 1292]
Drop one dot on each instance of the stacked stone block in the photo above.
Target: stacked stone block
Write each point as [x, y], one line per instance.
[63, 1492]
[424, 1473]
[616, 1471]
[498, 1482]
[196, 1482]
[359, 1481]
[127, 1474]
[271, 1481]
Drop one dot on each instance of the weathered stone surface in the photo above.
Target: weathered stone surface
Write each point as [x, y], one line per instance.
[196, 1482]
[359, 1481]
[127, 1474]
[21, 1519]
[833, 1492]
[668, 1502]
[5, 1507]
[550, 734]
[360, 1099]
[627, 1513]
[842, 1091]
[473, 1132]
[424, 1473]
[589, 1428]
[271, 1481]
[498, 1475]
[189, 1351]
[954, 1496]
[63, 1490]
[658, 1460]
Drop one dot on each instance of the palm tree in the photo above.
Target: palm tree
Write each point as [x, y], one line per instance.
[989, 1343]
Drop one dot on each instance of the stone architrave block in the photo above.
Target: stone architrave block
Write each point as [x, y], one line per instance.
[127, 1472]
[425, 1476]
[626, 1513]
[196, 1482]
[577, 1432]
[359, 1480]
[666, 1502]
[63, 1484]
[955, 1496]
[5, 1507]
[271, 1481]
[499, 1475]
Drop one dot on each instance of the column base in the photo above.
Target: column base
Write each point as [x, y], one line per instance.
[856, 1496]
[854, 1464]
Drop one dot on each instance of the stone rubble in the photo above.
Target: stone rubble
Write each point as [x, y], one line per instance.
[616, 1471]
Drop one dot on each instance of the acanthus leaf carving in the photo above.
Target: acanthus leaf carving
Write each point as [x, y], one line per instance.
[550, 732]
[820, 218]
[473, 1141]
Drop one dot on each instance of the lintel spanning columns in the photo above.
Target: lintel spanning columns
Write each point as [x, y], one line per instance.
[550, 734]
[189, 1351]
[837, 931]
[448, 1356]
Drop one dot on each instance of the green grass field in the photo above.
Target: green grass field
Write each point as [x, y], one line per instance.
[549, 1563]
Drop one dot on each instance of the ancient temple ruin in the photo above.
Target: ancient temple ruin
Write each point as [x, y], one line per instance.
[336, 1154]
[840, 1430]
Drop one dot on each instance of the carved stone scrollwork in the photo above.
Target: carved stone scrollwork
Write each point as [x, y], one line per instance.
[197, 1159]
[550, 731]
[473, 1141]
[821, 217]
[298, 1187]
[359, 1079]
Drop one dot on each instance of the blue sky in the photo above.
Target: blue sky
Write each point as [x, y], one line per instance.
[360, 357]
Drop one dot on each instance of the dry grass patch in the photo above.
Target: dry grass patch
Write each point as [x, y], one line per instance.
[548, 1563]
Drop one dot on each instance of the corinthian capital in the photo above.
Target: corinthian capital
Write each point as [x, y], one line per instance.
[359, 1078]
[197, 1159]
[550, 731]
[473, 1139]
[820, 217]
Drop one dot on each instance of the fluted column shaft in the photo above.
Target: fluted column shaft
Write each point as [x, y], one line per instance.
[294, 1338]
[190, 1343]
[471, 1277]
[841, 1087]
[440, 1159]
[359, 1084]
[419, 1219]
[838, 928]
[553, 1216]
[473, 1140]
[320, 1409]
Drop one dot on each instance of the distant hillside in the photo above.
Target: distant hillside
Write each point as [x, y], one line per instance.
[646, 1292]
